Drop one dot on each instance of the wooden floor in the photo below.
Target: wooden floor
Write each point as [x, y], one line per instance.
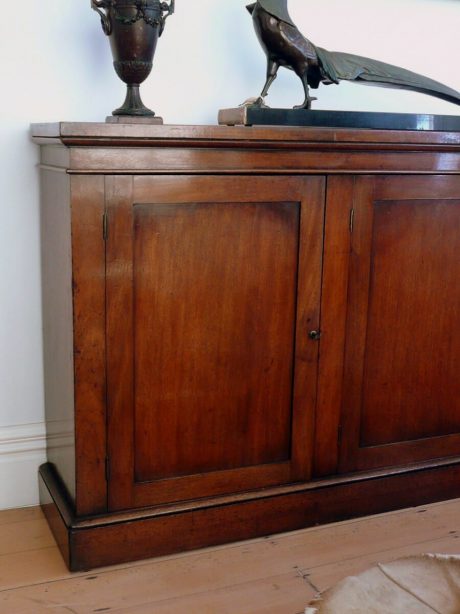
[275, 575]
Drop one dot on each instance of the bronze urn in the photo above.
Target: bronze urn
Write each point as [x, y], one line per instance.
[134, 27]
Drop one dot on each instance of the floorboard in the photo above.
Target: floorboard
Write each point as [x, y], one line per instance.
[20, 515]
[274, 575]
[25, 536]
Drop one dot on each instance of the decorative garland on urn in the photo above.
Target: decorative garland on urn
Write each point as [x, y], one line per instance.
[142, 6]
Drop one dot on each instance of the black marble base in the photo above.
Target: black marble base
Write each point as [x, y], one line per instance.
[253, 116]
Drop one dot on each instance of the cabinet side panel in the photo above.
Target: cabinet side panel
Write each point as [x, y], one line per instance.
[57, 324]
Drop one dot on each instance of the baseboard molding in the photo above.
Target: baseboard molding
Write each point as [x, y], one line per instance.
[22, 451]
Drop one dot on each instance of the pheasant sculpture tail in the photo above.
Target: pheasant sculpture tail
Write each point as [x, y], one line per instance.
[285, 45]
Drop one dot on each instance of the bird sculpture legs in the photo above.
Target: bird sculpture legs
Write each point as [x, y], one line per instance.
[308, 99]
[272, 71]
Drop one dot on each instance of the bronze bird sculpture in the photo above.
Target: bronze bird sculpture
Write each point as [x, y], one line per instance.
[284, 45]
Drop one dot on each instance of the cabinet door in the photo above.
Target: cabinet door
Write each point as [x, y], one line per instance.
[213, 284]
[400, 391]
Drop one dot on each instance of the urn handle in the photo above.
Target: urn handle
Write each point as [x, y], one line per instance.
[168, 9]
[106, 22]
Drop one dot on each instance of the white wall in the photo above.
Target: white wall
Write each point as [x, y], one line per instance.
[55, 64]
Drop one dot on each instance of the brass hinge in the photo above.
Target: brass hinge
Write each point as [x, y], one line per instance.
[352, 219]
[105, 226]
[107, 469]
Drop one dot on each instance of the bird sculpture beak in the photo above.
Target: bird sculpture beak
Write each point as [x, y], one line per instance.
[251, 7]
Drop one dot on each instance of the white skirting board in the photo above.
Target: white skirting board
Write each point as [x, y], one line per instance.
[22, 451]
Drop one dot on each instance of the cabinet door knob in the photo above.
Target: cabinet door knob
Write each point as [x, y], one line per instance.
[315, 335]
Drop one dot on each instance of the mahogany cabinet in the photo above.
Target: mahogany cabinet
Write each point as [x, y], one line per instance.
[246, 331]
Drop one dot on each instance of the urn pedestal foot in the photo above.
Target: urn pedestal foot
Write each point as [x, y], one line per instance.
[124, 119]
[133, 105]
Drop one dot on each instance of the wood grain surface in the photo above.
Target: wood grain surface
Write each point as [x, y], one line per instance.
[265, 330]
[279, 575]
[401, 386]
[212, 287]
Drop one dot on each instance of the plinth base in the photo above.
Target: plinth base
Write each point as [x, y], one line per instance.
[120, 537]
[255, 116]
[128, 119]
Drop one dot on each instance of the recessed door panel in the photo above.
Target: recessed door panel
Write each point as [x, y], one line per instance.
[411, 380]
[213, 284]
[214, 324]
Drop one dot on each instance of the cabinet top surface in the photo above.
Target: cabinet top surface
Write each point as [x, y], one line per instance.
[142, 135]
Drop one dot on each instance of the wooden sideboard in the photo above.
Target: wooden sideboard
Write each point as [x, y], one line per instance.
[246, 330]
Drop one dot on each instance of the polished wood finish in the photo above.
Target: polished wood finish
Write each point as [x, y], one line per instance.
[102, 134]
[103, 540]
[73, 275]
[339, 207]
[211, 360]
[307, 159]
[131, 149]
[57, 309]
[233, 326]
[88, 259]
[401, 385]
[57, 513]
[262, 325]
[426, 311]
